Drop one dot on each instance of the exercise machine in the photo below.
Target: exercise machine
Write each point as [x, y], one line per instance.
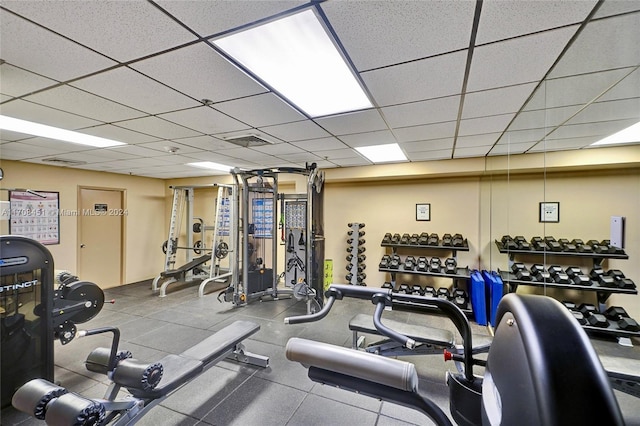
[301, 228]
[221, 254]
[33, 312]
[147, 384]
[541, 368]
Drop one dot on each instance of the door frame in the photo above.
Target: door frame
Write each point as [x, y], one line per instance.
[123, 225]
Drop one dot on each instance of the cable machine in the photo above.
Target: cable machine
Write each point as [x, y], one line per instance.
[300, 222]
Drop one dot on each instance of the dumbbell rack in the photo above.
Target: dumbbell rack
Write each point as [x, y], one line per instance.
[356, 256]
[461, 274]
[602, 292]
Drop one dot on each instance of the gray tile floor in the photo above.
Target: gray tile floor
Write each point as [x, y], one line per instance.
[237, 394]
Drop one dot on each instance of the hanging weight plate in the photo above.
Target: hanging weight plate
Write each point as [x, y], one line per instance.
[197, 227]
[197, 247]
[165, 246]
[250, 249]
[84, 291]
[222, 250]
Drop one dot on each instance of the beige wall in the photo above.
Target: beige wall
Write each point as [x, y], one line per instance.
[144, 223]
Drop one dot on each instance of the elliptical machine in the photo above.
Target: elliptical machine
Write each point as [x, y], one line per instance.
[541, 368]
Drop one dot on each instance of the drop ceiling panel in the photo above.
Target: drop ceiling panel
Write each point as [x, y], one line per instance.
[303, 157]
[205, 120]
[158, 128]
[516, 61]
[615, 7]
[601, 129]
[124, 152]
[120, 134]
[260, 110]
[421, 133]
[26, 150]
[423, 112]
[537, 119]
[351, 162]
[204, 142]
[511, 148]
[244, 154]
[131, 88]
[70, 99]
[336, 154]
[278, 149]
[8, 135]
[43, 115]
[522, 136]
[564, 144]
[595, 51]
[484, 140]
[212, 17]
[208, 75]
[122, 30]
[432, 145]
[17, 82]
[580, 89]
[496, 101]
[174, 160]
[443, 154]
[504, 19]
[60, 146]
[355, 122]
[322, 144]
[35, 49]
[161, 147]
[135, 163]
[298, 131]
[415, 81]
[610, 110]
[381, 33]
[472, 151]
[4, 98]
[627, 88]
[210, 156]
[495, 123]
[371, 138]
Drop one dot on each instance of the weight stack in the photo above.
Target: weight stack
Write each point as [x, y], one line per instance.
[356, 257]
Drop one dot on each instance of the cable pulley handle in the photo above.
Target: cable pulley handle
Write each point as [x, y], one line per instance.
[312, 317]
[381, 302]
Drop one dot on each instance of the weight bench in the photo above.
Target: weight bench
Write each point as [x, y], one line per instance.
[624, 374]
[148, 384]
[379, 377]
[429, 340]
[174, 275]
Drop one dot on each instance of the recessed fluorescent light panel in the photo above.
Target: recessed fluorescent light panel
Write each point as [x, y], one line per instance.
[50, 132]
[297, 58]
[382, 153]
[210, 165]
[629, 135]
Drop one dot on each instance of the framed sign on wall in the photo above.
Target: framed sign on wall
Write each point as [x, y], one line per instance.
[549, 212]
[423, 211]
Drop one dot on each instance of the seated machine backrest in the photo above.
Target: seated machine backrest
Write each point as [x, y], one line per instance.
[543, 370]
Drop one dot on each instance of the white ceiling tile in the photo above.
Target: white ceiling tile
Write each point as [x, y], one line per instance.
[494, 123]
[211, 17]
[28, 151]
[8, 135]
[516, 61]
[303, 157]
[176, 159]
[627, 88]
[415, 81]
[158, 127]
[4, 98]
[161, 147]
[122, 30]
[324, 164]
[125, 152]
[131, 88]
[40, 114]
[120, 134]
[369, 138]
[430, 131]
[207, 76]
[380, 33]
[59, 146]
[564, 144]
[205, 120]
[472, 151]
[594, 50]
[351, 161]
[137, 162]
[610, 110]
[206, 143]
[511, 148]
[17, 82]
[76, 101]
[298, 131]
[423, 112]
[336, 154]
[516, 137]
[279, 149]
[476, 140]
[355, 122]
[542, 118]
[496, 101]
[600, 129]
[431, 145]
[580, 89]
[9, 153]
[35, 49]
[322, 144]
[211, 156]
[443, 154]
[244, 154]
[260, 110]
[609, 8]
[502, 19]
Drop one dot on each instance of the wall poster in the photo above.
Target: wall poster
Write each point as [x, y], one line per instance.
[34, 214]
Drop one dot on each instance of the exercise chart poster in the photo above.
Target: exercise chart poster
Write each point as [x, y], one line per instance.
[35, 215]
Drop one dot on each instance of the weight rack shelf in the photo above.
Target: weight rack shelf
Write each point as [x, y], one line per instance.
[603, 292]
[611, 329]
[594, 255]
[460, 272]
[464, 247]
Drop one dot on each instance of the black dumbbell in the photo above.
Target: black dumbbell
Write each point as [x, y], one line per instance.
[554, 270]
[421, 265]
[433, 240]
[506, 238]
[523, 245]
[443, 293]
[537, 267]
[457, 240]
[359, 267]
[519, 238]
[554, 246]
[524, 275]
[593, 243]
[626, 283]
[606, 281]
[360, 225]
[628, 324]
[572, 271]
[548, 238]
[417, 289]
[460, 298]
[563, 241]
[384, 262]
[361, 249]
[414, 239]
[535, 240]
[562, 278]
[429, 291]
[387, 285]
[395, 239]
[435, 264]
[360, 233]
[569, 304]
[387, 238]
[616, 312]
[543, 277]
[361, 258]
[616, 274]
[404, 288]
[584, 248]
[447, 240]
[394, 263]
[569, 248]
[361, 241]
[598, 320]
[405, 239]
[516, 266]
[587, 309]
[540, 246]
[423, 239]
[581, 280]
[579, 316]
[577, 242]
[409, 263]
[596, 272]
[450, 266]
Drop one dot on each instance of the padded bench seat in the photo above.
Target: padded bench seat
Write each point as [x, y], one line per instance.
[173, 273]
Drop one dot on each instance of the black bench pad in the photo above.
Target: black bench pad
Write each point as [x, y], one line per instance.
[186, 267]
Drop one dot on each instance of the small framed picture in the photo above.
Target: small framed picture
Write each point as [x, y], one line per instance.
[549, 212]
[423, 212]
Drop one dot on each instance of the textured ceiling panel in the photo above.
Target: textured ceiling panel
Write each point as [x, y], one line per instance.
[17, 82]
[427, 132]
[497, 101]
[355, 122]
[205, 120]
[431, 111]
[300, 130]
[371, 138]
[41, 114]
[158, 127]
[260, 110]
[322, 144]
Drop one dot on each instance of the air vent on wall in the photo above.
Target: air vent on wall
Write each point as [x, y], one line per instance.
[247, 141]
[63, 162]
